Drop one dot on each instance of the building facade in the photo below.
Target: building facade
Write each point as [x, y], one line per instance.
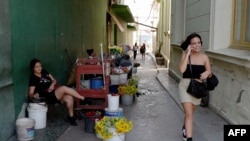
[224, 27]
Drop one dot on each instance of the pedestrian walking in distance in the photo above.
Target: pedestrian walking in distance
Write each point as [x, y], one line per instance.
[142, 51]
[135, 48]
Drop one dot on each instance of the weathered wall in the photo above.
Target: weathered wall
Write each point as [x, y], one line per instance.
[7, 116]
[231, 98]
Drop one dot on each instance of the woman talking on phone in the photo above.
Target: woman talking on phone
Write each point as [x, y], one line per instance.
[201, 69]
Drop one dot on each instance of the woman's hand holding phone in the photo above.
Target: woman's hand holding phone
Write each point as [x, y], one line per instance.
[189, 49]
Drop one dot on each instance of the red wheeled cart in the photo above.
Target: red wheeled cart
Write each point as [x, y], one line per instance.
[92, 66]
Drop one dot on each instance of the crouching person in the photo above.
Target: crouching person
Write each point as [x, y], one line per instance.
[43, 84]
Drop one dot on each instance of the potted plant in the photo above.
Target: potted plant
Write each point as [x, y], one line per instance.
[113, 127]
[128, 91]
[159, 58]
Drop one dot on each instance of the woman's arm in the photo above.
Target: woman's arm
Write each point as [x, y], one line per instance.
[207, 72]
[52, 85]
[184, 59]
[32, 93]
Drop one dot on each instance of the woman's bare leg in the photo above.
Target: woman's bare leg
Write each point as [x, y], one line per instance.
[189, 109]
[64, 90]
[69, 101]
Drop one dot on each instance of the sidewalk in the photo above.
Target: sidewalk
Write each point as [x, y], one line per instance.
[157, 114]
[209, 124]
[206, 123]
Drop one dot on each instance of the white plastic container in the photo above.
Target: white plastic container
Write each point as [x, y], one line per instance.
[85, 84]
[39, 115]
[107, 67]
[113, 102]
[37, 105]
[109, 113]
[123, 78]
[116, 136]
[25, 129]
[114, 79]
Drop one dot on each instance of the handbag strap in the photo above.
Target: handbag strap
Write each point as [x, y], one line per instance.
[189, 58]
[190, 68]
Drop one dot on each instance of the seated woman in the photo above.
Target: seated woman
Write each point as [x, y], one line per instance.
[43, 84]
[91, 53]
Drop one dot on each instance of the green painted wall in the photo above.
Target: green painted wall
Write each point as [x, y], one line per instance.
[43, 29]
[7, 116]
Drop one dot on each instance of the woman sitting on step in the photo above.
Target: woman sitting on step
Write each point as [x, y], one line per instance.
[43, 84]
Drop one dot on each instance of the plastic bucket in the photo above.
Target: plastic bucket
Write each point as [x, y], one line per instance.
[96, 83]
[127, 99]
[25, 129]
[113, 102]
[89, 123]
[85, 84]
[37, 105]
[116, 136]
[118, 113]
[39, 115]
[115, 79]
[134, 70]
[123, 78]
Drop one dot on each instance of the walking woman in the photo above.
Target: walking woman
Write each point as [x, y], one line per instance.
[200, 70]
[135, 48]
[143, 51]
[43, 84]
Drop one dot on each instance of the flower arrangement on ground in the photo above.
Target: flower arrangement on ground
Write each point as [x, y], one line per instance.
[108, 127]
[127, 89]
[134, 80]
[131, 87]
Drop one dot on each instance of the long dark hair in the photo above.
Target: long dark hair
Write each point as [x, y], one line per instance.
[185, 44]
[33, 63]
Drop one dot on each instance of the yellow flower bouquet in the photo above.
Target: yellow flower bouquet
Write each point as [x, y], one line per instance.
[130, 88]
[127, 89]
[108, 127]
[115, 50]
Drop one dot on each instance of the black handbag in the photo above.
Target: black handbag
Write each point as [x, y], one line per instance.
[212, 82]
[196, 88]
